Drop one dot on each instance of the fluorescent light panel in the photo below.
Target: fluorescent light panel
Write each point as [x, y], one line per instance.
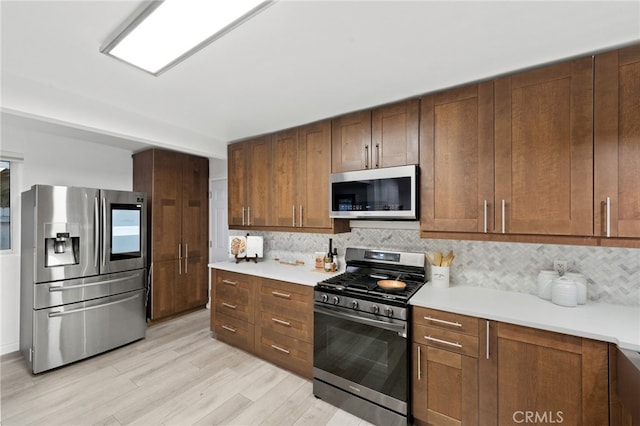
[169, 31]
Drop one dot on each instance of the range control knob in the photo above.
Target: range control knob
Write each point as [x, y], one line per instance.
[375, 309]
[388, 311]
[325, 298]
[354, 304]
[336, 300]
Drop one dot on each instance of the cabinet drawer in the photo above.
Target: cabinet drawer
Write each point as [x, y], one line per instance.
[445, 320]
[445, 339]
[292, 354]
[235, 332]
[292, 327]
[233, 297]
[290, 300]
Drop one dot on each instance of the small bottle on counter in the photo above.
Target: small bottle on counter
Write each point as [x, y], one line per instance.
[334, 260]
[328, 258]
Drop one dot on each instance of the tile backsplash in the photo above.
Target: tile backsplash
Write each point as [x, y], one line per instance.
[613, 273]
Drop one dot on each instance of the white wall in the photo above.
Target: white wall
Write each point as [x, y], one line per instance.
[50, 159]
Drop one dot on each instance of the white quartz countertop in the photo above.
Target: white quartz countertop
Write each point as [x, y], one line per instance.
[299, 274]
[600, 321]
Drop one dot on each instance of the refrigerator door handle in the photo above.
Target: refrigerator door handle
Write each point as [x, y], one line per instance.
[73, 287]
[96, 231]
[104, 231]
[73, 311]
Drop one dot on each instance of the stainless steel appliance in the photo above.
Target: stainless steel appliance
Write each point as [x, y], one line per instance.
[387, 193]
[83, 277]
[361, 351]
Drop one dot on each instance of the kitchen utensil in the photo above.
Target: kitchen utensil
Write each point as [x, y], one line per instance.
[426, 255]
[392, 285]
[437, 259]
[564, 292]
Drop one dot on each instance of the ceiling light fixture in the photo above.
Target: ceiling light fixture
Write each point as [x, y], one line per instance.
[166, 32]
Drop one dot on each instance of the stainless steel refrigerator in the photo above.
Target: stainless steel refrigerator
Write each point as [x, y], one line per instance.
[83, 276]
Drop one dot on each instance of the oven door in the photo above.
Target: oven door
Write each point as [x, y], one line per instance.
[362, 354]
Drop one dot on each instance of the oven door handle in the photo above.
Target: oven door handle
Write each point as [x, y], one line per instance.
[401, 329]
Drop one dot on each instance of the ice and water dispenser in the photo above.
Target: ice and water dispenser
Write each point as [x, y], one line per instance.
[62, 244]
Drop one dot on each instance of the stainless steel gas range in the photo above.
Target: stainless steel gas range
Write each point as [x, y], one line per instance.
[361, 350]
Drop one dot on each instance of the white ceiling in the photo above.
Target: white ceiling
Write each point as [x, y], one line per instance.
[297, 62]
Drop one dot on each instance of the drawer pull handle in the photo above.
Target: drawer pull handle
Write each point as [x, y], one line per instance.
[444, 342]
[455, 324]
[231, 329]
[279, 321]
[278, 348]
[229, 305]
[230, 282]
[283, 295]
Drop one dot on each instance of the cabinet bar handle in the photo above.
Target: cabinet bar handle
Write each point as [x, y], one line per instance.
[487, 339]
[504, 228]
[293, 215]
[366, 156]
[231, 329]
[179, 258]
[608, 212]
[455, 324]
[279, 321]
[419, 366]
[248, 216]
[485, 216]
[243, 216]
[377, 155]
[228, 305]
[283, 295]
[278, 348]
[444, 342]
[300, 215]
[230, 282]
[186, 258]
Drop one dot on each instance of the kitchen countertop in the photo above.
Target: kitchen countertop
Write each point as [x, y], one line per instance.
[600, 321]
[299, 274]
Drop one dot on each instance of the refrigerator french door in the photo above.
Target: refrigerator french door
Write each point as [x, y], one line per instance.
[83, 277]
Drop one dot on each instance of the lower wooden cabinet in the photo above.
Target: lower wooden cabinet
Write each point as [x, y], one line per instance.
[269, 318]
[509, 375]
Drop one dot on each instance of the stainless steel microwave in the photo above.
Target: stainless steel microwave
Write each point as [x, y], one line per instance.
[386, 193]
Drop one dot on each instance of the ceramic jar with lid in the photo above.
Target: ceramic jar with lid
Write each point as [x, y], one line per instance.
[545, 278]
[564, 292]
[581, 284]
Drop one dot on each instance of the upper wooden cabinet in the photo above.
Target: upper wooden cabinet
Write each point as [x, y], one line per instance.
[177, 187]
[383, 137]
[544, 150]
[394, 134]
[617, 143]
[456, 160]
[250, 183]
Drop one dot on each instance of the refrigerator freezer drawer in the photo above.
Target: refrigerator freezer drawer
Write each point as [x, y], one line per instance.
[59, 293]
[72, 332]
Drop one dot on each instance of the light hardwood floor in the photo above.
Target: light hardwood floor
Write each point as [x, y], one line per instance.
[178, 375]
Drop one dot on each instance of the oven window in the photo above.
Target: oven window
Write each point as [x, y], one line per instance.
[372, 195]
[362, 354]
[125, 231]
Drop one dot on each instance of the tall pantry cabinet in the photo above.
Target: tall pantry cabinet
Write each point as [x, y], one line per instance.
[177, 189]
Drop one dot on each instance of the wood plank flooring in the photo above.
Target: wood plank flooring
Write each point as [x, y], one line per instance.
[178, 375]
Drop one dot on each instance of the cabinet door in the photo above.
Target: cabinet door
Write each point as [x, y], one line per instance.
[167, 207]
[445, 387]
[285, 178]
[163, 289]
[260, 182]
[456, 160]
[557, 378]
[351, 142]
[192, 284]
[394, 134]
[544, 150]
[195, 206]
[617, 150]
[315, 167]
[237, 183]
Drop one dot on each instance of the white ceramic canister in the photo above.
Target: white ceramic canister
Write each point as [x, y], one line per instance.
[564, 292]
[581, 284]
[545, 278]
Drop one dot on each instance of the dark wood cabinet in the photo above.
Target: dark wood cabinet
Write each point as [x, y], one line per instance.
[544, 150]
[617, 144]
[177, 189]
[456, 160]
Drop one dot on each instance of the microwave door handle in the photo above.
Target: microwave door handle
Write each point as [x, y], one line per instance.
[96, 230]
[398, 328]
